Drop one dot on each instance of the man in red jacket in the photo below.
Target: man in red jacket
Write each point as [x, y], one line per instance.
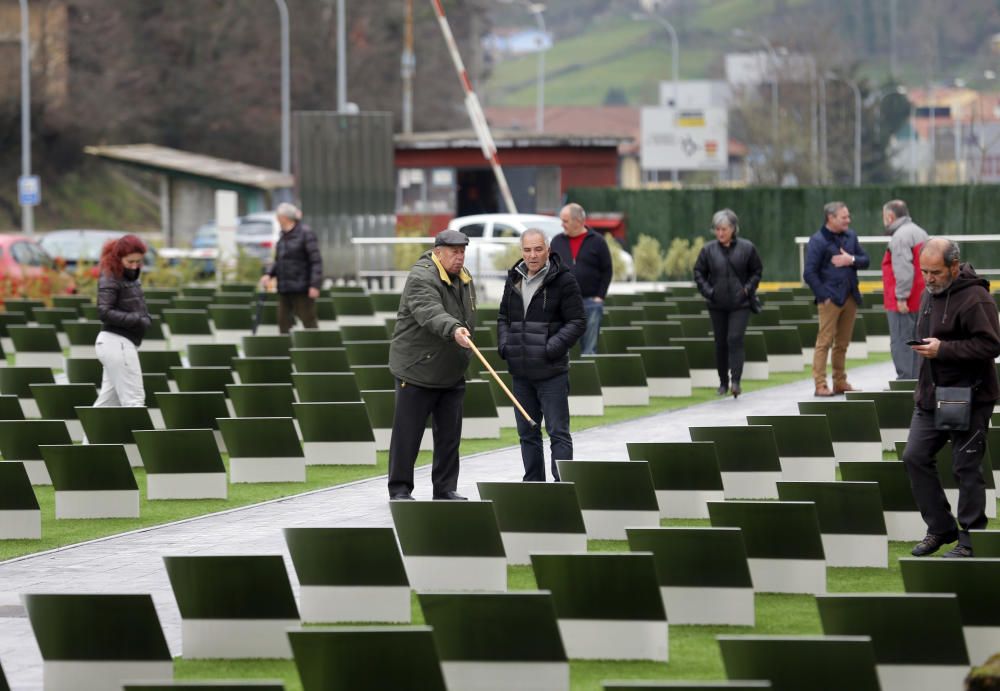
[960, 337]
[903, 285]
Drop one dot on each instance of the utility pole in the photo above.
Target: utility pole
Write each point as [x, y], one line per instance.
[27, 210]
[341, 58]
[409, 67]
[286, 89]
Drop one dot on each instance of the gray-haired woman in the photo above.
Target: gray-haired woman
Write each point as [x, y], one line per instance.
[727, 272]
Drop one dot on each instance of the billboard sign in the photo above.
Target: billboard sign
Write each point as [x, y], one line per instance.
[684, 138]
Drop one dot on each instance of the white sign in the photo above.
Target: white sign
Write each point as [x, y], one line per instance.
[29, 190]
[695, 93]
[684, 139]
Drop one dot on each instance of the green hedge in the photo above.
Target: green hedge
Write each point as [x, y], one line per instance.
[772, 217]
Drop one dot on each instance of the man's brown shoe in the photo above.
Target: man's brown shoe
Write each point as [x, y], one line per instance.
[843, 388]
[823, 391]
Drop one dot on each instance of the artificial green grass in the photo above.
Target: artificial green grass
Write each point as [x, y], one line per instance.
[151, 513]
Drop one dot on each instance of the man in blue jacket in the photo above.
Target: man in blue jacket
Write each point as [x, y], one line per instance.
[833, 258]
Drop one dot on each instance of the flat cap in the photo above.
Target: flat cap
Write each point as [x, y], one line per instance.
[451, 237]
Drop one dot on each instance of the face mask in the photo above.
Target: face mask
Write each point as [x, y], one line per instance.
[131, 274]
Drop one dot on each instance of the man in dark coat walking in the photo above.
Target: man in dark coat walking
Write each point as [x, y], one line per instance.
[298, 268]
[541, 317]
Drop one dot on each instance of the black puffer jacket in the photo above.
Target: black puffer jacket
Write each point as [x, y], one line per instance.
[728, 276]
[121, 307]
[536, 342]
[298, 265]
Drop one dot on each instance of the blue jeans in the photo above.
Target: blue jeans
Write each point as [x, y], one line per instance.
[594, 310]
[548, 400]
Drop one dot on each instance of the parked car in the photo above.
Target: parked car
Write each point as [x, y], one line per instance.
[23, 260]
[75, 246]
[482, 229]
[256, 234]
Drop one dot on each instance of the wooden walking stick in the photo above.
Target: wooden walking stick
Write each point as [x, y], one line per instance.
[503, 386]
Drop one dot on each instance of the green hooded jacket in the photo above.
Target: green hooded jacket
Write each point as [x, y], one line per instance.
[423, 350]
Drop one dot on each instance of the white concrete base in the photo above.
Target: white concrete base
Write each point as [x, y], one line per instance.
[220, 442]
[134, 457]
[339, 452]
[103, 675]
[8, 345]
[156, 417]
[991, 500]
[756, 485]
[506, 415]
[288, 469]
[520, 546]
[182, 341]
[610, 525]
[109, 503]
[704, 378]
[186, 486]
[457, 573]
[857, 450]
[63, 339]
[904, 526]
[785, 363]
[808, 354]
[75, 429]
[236, 639]
[324, 325]
[53, 359]
[806, 576]
[327, 604]
[756, 371]
[625, 395]
[481, 428]
[669, 387]
[272, 329]
[38, 474]
[29, 407]
[878, 344]
[231, 336]
[87, 351]
[981, 642]
[503, 676]
[996, 477]
[856, 550]
[383, 435]
[710, 606]
[26, 524]
[891, 435]
[157, 344]
[611, 639]
[686, 503]
[921, 677]
[808, 468]
[586, 406]
[359, 320]
[857, 350]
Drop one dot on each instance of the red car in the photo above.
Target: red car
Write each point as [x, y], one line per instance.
[26, 268]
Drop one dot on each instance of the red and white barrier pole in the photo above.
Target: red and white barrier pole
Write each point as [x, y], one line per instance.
[475, 110]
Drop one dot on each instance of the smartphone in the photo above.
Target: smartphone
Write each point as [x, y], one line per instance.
[913, 343]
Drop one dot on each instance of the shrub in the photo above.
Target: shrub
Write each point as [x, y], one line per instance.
[681, 257]
[649, 260]
[618, 268]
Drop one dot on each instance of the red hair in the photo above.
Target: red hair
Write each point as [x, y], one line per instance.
[115, 250]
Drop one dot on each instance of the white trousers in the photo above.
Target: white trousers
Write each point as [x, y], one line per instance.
[122, 381]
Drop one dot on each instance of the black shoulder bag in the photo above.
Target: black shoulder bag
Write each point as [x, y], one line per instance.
[952, 406]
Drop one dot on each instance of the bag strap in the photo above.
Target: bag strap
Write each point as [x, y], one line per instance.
[736, 271]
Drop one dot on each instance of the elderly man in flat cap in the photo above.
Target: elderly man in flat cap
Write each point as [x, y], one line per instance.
[428, 357]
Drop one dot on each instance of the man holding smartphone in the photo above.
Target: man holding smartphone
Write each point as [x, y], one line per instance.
[958, 337]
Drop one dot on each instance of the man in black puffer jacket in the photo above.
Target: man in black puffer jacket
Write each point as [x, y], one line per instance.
[298, 266]
[541, 317]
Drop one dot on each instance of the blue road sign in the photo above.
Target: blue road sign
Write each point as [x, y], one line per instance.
[29, 190]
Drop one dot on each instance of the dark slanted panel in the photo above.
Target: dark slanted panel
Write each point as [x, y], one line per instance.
[802, 663]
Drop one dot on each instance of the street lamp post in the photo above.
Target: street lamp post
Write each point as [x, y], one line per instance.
[537, 9]
[341, 58]
[675, 67]
[286, 89]
[857, 125]
[27, 211]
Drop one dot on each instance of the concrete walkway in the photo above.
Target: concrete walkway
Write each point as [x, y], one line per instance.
[132, 562]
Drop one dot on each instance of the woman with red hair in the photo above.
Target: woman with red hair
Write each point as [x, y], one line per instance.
[121, 308]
